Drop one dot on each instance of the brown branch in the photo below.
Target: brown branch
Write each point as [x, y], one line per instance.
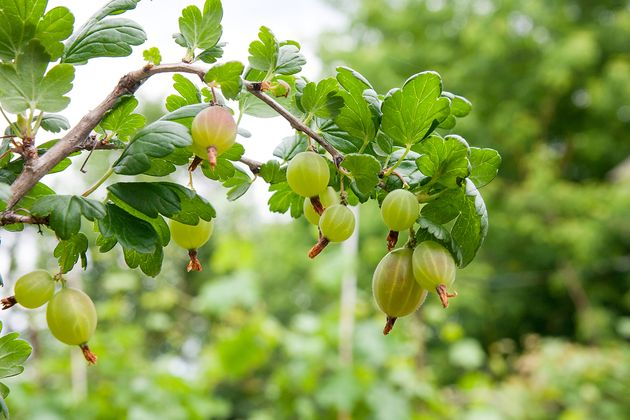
[128, 84]
[91, 143]
[9, 218]
[254, 89]
[253, 165]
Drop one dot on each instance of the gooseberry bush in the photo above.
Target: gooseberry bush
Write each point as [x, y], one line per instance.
[351, 144]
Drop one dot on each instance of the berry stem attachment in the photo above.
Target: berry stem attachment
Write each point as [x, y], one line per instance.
[87, 353]
[444, 295]
[318, 247]
[8, 302]
[194, 264]
[317, 205]
[212, 157]
[389, 324]
[392, 239]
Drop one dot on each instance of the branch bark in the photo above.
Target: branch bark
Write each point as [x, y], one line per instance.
[253, 165]
[10, 217]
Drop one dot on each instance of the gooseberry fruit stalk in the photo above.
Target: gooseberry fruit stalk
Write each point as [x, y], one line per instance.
[395, 289]
[399, 210]
[71, 317]
[213, 132]
[327, 199]
[434, 269]
[308, 176]
[191, 238]
[32, 290]
[336, 224]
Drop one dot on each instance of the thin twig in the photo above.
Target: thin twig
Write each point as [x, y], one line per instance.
[9, 218]
[253, 165]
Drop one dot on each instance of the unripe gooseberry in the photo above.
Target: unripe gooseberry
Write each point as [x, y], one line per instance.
[192, 237]
[327, 199]
[308, 174]
[335, 225]
[34, 289]
[395, 289]
[399, 210]
[213, 132]
[434, 269]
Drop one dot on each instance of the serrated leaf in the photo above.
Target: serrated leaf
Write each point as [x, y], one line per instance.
[413, 112]
[152, 55]
[200, 30]
[101, 36]
[234, 153]
[223, 171]
[54, 27]
[168, 164]
[211, 55]
[238, 184]
[290, 146]
[158, 223]
[18, 23]
[443, 209]
[54, 123]
[322, 99]
[121, 120]
[338, 138]
[156, 140]
[65, 211]
[26, 84]
[484, 165]
[364, 170]
[149, 263]
[271, 172]
[445, 160]
[290, 60]
[357, 117]
[471, 227]
[69, 251]
[228, 76]
[283, 199]
[130, 231]
[460, 106]
[13, 353]
[185, 114]
[263, 53]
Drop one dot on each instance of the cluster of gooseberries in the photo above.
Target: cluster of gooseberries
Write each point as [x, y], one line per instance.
[71, 315]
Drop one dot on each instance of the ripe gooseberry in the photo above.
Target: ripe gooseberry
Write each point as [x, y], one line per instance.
[32, 290]
[71, 318]
[213, 132]
[395, 289]
[327, 198]
[434, 269]
[399, 210]
[192, 237]
[335, 225]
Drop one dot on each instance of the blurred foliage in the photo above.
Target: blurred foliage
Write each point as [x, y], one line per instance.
[540, 328]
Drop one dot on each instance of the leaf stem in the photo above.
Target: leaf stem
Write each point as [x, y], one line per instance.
[402, 157]
[98, 183]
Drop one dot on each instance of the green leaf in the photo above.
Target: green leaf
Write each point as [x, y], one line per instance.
[357, 117]
[158, 223]
[211, 55]
[364, 170]
[69, 251]
[263, 53]
[54, 123]
[200, 31]
[130, 231]
[27, 85]
[65, 212]
[460, 106]
[18, 24]
[443, 209]
[105, 37]
[4, 391]
[283, 199]
[168, 164]
[188, 93]
[413, 112]
[445, 160]
[13, 353]
[156, 140]
[54, 27]
[290, 60]
[185, 114]
[290, 146]
[322, 99]
[272, 173]
[228, 76]
[149, 263]
[152, 55]
[471, 227]
[485, 165]
[338, 138]
[121, 120]
[238, 184]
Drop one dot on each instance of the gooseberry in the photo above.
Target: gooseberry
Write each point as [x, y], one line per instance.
[308, 174]
[399, 210]
[32, 290]
[213, 132]
[192, 237]
[327, 199]
[335, 225]
[434, 269]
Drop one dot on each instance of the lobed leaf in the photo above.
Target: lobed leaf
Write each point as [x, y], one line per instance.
[69, 251]
[364, 170]
[445, 160]
[283, 199]
[484, 165]
[322, 99]
[228, 76]
[121, 121]
[65, 212]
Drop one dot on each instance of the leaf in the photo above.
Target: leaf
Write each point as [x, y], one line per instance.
[158, 223]
[484, 165]
[130, 231]
[228, 76]
[283, 199]
[4, 391]
[18, 24]
[211, 55]
[13, 353]
[69, 251]
[338, 138]
[364, 170]
[237, 184]
[54, 27]
[65, 212]
[445, 160]
[413, 112]
[121, 121]
[290, 146]
[152, 55]
[200, 31]
[105, 37]
[471, 227]
[322, 99]
[272, 173]
[55, 123]
[149, 263]
[185, 114]
[356, 117]
[290, 60]
[263, 53]
[156, 140]
[27, 85]
[460, 106]
[168, 164]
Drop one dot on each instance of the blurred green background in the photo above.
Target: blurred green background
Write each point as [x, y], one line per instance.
[541, 327]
